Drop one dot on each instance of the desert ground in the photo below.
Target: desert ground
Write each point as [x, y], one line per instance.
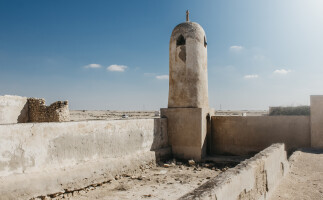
[169, 180]
[82, 115]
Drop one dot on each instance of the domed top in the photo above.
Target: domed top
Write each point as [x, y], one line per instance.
[188, 30]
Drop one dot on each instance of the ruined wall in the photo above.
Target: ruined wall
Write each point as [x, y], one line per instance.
[254, 178]
[13, 109]
[39, 112]
[235, 135]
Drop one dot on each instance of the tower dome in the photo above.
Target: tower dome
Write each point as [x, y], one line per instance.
[188, 85]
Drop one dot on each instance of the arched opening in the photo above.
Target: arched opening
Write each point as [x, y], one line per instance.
[205, 42]
[180, 40]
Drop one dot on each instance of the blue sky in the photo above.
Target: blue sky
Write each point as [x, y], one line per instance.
[113, 55]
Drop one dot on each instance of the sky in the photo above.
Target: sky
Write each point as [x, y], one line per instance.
[113, 54]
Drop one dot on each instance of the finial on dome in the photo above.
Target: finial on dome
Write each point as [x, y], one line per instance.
[187, 15]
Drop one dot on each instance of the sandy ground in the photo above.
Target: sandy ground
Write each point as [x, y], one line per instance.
[82, 115]
[305, 179]
[170, 180]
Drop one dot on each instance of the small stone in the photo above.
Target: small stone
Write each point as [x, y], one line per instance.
[191, 162]
[208, 177]
[167, 165]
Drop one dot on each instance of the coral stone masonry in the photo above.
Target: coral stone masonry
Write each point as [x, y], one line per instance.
[39, 112]
[16, 109]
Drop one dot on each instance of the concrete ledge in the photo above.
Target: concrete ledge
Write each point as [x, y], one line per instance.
[255, 178]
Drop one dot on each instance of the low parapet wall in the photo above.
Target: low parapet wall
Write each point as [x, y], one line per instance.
[70, 155]
[255, 178]
[248, 135]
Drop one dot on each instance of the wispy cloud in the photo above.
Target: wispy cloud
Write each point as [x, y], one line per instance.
[93, 66]
[282, 71]
[251, 76]
[236, 48]
[117, 68]
[162, 77]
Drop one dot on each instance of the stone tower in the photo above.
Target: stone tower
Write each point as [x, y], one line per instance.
[188, 87]
[188, 110]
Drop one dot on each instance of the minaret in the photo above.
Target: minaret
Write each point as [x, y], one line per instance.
[188, 84]
[188, 107]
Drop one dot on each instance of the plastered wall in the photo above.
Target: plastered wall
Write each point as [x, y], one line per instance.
[234, 135]
[254, 178]
[13, 109]
[36, 147]
[317, 121]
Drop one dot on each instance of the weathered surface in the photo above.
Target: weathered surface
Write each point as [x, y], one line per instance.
[74, 154]
[13, 109]
[248, 135]
[38, 146]
[187, 130]
[188, 85]
[305, 180]
[39, 112]
[317, 121]
[255, 178]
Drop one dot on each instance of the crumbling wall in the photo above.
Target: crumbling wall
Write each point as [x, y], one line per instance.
[298, 110]
[254, 178]
[39, 112]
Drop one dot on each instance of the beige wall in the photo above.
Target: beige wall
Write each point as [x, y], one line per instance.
[36, 147]
[187, 131]
[317, 121]
[247, 135]
[45, 158]
[13, 109]
[255, 178]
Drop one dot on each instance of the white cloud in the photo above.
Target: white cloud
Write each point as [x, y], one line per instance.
[93, 66]
[251, 76]
[162, 77]
[117, 68]
[282, 71]
[236, 48]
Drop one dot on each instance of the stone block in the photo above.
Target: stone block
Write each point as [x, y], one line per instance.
[187, 130]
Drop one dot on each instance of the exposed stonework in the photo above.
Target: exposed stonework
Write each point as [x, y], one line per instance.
[39, 112]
